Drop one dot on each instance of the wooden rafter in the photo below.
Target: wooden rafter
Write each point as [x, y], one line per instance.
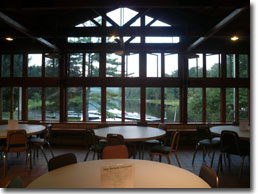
[9, 21]
[233, 15]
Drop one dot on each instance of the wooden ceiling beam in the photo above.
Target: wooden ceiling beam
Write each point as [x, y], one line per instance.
[9, 21]
[224, 22]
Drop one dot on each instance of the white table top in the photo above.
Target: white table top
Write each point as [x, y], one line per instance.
[148, 174]
[242, 134]
[131, 133]
[30, 129]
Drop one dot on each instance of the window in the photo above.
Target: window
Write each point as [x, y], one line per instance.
[75, 104]
[52, 104]
[6, 63]
[113, 104]
[172, 104]
[194, 104]
[93, 103]
[34, 103]
[243, 66]
[213, 65]
[90, 39]
[171, 65]
[17, 65]
[153, 104]
[75, 65]
[231, 65]
[113, 65]
[132, 65]
[153, 65]
[230, 104]
[162, 39]
[92, 64]
[195, 66]
[213, 100]
[132, 104]
[34, 65]
[51, 66]
[17, 103]
[243, 103]
[6, 102]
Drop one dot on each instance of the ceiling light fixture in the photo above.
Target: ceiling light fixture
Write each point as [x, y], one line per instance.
[234, 38]
[9, 38]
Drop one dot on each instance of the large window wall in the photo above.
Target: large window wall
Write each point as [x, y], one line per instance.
[104, 86]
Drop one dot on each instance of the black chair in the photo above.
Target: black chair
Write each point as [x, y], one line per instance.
[40, 142]
[204, 138]
[16, 182]
[115, 139]
[209, 175]
[92, 144]
[61, 160]
[230, 144]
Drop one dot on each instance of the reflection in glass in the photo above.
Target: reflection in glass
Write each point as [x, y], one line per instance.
[230, 104]
[6, 63]
[172, 104]
[153, 104]
[195, 66]
[51, 67]
[243, 66]
[92, 64]
[113, 67]
[52, 103]
[34, 103]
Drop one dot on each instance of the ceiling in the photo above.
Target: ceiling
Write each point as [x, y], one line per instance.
[201, 24]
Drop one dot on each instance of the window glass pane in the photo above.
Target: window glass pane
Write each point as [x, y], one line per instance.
[243, 66]
[93, 103]
[17, 103]
[212, 65]
[230, 104]
[34, 103]
[84, 39]
[171, 65]
[74, 104]
[113, 106]
[52, 103]
[132, 65]
[34, 65]
[162, 39]
[51, 67]
[132, 104]
[6, 63]
[6, 101]
[75, 65]
[113, 67]
[153, 65]
[194, 104]
[243, 103]
[153, 104]
[17, 65]
[195, 65]
[213, 104]
[231, 65]
[92, 64]
[172, 104]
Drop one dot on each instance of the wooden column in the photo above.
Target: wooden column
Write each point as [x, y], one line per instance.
[204, 113]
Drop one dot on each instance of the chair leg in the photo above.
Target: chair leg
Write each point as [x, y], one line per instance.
[168, 159]
[177, 160]
[5, 163]
[219, 163]
[241, 168]
[42, 150]
[86, 156]
[196, 148]
[159, 158]
[213, 154]
[50, 149]
[29, 156]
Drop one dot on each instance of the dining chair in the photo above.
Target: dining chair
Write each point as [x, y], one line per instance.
[16, 182]
[205, 139]
[115, 139]
[92, 144]
[230, 145]
[16, 142]
[166, 150]
[209, 175]
[115, 152]
[61, 160]
[2, 147]
[40, 142]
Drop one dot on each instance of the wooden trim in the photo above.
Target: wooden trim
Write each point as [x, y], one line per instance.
[223, 105]
[143, 103]
[11, 103]
[43, 116]
[237, 104]
[24, 103]
[11, 65]
[0, 96]
[84, 113]
[204, 112]
[43, 65]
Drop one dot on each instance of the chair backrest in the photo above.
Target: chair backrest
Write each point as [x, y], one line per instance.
[115, 152]
[90, 138]
[203, 132]
[174, 141]
[16, 182]
[61, 160]
[115, 139]
[142, 123]
[48, 133]
[209, 175]
[229, 142]
[16, 141]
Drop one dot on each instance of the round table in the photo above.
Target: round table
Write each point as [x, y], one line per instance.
[131, 133]
[30, 129]
[147, 174]
[245, 135]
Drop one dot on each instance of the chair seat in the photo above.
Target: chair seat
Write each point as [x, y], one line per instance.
[152, 141]
[37, 140]
[160, 149]
[213, 141]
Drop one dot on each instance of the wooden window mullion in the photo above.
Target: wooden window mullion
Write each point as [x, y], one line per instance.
[162, 104]
[43, 104]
